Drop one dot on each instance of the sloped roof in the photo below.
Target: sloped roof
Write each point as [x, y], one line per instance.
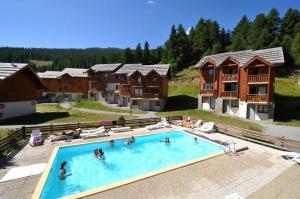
[74, 72]
[8, 69]
[128, 69]
[272, 55]
[105, 67]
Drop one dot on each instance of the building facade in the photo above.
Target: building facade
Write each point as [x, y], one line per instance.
[144, 87]
[19, 90]
[240, 83]
[103, 84]
[71, 82]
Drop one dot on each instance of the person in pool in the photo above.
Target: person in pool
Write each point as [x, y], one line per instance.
[101, 153]
[167, 140]
[130, 140]
[196, 140]
[111, 143]
[62, 171]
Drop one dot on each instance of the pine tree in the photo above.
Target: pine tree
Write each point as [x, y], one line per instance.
[128, 57]
[184, 48]
[295, 49]
[240, 35]
[290, 19]
[146, 54]
[138, 54]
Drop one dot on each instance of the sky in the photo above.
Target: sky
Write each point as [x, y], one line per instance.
[116, 23]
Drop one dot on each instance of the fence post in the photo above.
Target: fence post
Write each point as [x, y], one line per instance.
[78, 125]
[282, 141]
[24, 131]
[51, 128]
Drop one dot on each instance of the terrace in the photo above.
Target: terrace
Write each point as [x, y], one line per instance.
[245, 173]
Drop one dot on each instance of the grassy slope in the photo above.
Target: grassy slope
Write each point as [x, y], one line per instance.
[40, 63]
[183, 92]
[49, 114]
[99, 106]
[287, 96]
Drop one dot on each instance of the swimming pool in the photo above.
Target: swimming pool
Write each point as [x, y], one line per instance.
[147, 156]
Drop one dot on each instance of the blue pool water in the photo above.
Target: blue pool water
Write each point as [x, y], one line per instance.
[121, 162]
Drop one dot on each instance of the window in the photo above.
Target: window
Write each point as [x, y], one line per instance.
[231, 71]
[155, 90]
[208, 86]
[105, 75]
[230, 87]
[138, 91]
[157, 103]
[210, 72]
[262, 108]
[117, 87]
[135, 102]
[234, 103]
[139, 80]
[154, 79]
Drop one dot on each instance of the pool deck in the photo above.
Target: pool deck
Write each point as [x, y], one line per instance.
[252, 173]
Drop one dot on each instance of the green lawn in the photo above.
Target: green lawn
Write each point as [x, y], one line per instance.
[40, 63]
[5, 132]
[99, 106]
[48, 113]
[287, 100]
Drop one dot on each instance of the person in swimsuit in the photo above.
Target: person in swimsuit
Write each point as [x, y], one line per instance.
[62, 171]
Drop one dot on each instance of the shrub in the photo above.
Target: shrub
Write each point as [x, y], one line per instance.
[121, 121]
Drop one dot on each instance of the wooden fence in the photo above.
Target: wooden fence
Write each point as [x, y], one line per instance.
[12, 140]
[281, 143]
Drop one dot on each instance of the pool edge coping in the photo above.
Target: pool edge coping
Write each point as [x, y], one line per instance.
[42, 181]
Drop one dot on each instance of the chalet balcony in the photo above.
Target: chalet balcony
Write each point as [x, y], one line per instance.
[150, 95]
[230, 77]
[257, 97]
[209, 92]
[124, 89]
[258, 78]
[230, 94]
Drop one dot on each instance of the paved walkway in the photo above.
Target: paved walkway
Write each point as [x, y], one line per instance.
[217, 177]
[290, 132]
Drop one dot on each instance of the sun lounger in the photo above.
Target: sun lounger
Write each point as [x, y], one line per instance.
[163, 122]
[95, 133]
[36, 138]
[289, 155]
[207, 127]
[121, 129]
[92, 130]
[197, 125]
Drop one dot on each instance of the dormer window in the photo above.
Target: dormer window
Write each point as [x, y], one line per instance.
[210, 72]
[139, 80]
[154, 79]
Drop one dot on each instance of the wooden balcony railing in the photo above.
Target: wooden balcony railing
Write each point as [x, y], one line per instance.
[258, 78]
[257, 98]
[230, 77]
[209, 92]
[229, 94]
[151, 95]
[124, 89]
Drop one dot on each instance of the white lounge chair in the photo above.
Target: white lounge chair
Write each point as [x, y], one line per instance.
[290, 155]
[121, 129]
[154, 126]
[92, 130]
[197, 125]
[207, 127]
[36, 138]
[95, 133]
[163, 122]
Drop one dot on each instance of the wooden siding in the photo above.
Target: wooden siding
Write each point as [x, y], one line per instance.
[22, 86]
[245, 77]
[67, 84]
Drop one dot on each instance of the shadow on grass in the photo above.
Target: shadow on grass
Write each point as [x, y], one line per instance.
[35, 118]
[287, 108]
[181, 102]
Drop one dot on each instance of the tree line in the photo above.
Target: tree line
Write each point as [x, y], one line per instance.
[182, 49]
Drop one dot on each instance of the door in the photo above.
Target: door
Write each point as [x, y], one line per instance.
[151, 105]
[225, 106]
[251, 111]
[212, 102]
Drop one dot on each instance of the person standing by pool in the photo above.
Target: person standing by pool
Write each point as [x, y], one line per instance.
[62, 171]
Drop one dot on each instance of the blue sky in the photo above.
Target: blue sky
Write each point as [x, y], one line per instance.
[116, 23]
